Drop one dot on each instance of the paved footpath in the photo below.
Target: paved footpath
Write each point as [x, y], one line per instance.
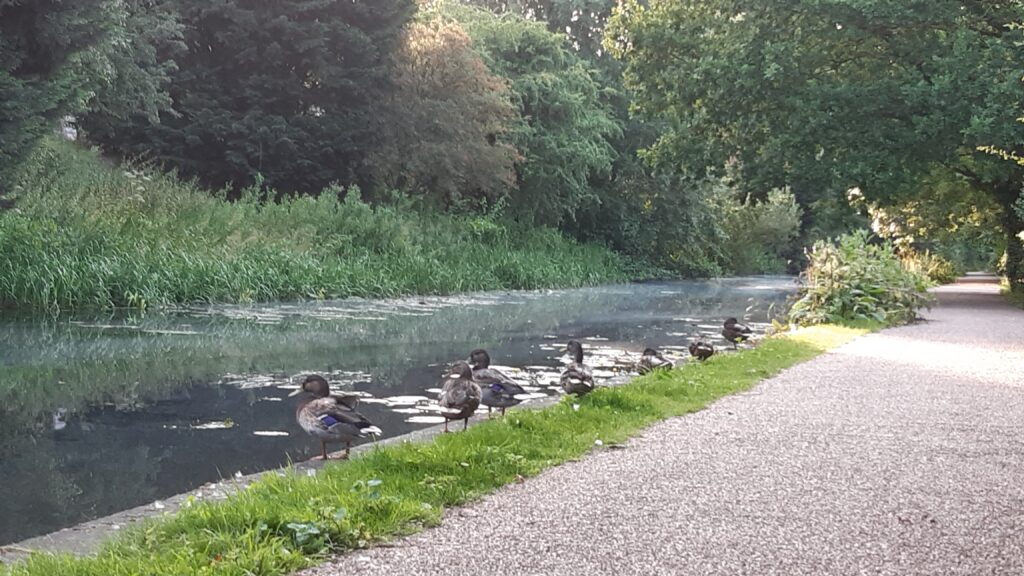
[900, 453]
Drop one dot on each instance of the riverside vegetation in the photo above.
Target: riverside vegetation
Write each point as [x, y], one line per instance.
[89, 235]
[854, 280]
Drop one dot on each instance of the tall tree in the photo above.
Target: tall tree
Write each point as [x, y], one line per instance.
[581, 21]
[443, 127]
[140, 60]
[564, 130]
[828, 95]
[283, 90]
[48, 68]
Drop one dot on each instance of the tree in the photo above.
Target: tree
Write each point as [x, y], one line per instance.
[140, 60]
[285, 91]
[828, 95]
[48, 68]
[581, 21]
[442, 129]
[564, 128]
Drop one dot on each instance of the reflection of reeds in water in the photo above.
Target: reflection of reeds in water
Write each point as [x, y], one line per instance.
[131, 361]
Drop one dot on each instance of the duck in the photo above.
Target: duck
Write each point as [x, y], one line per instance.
[735, 332]
[499, 391]
[577, 378]
[701, 350]
[653, 360]
[330, 418]
[460, 395]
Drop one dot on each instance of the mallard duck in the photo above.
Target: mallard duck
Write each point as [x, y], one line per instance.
[330, 418]
[460, 395]
[499, 391]
[735, 332]
[701, 350]
[577, 377]
[653, 360]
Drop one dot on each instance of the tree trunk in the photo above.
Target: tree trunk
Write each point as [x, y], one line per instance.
[1013, 225]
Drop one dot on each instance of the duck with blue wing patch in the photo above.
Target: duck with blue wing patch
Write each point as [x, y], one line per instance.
[330, 418]
[499, 391]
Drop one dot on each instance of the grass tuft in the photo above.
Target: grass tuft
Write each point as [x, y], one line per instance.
[286, 522]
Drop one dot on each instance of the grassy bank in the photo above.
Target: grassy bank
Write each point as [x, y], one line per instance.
[283, 523]
[88, 235]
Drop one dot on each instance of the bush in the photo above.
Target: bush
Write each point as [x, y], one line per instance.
[854, 279]
[938, 269]
[762, 232]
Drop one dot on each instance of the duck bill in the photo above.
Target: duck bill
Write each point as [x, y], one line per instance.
[295, 392]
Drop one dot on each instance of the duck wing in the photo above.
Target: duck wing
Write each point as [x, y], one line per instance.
[459, 394]
[654, 362]
[701, 350]
[577, 379]
[489, 376]
[328, 415]
[733, 334]
[345, 401]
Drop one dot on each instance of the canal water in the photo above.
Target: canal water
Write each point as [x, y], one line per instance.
[103, 414]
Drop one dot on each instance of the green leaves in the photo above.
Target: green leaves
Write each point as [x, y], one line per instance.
[855, 279]
[288, 90]
[827, 95]
[563, 130]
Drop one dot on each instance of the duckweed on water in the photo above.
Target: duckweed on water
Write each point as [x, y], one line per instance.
[285, 522]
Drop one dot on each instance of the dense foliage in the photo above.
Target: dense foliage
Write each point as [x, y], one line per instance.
[936, 268]
[87, 235]
[761, 233]
[59, 58]
[855, 279]
[564, 128]
[825, 96]
[285, 90]
[443, 128]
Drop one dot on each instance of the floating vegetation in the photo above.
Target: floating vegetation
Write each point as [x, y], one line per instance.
[220, 425]
[425, 420]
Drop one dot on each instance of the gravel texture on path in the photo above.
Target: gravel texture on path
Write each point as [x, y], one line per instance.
[900, 453]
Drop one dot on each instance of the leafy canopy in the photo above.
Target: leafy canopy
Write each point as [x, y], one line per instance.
[59, 58]
[826, 94]
[444, 124]
[564, 129]
[282, 91]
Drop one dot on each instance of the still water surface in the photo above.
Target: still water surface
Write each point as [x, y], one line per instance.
[100, 415]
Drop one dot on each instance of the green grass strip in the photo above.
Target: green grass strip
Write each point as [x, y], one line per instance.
[286, 522]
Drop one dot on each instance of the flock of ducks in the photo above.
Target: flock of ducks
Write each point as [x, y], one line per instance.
[469, 384]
